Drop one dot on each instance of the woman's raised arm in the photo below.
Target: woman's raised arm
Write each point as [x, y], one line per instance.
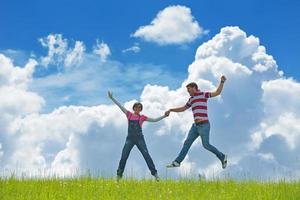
[116, 102]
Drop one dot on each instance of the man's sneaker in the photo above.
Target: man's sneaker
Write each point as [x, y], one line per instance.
[119, 177]
[173, 164]
[224, 162]
[156, 177]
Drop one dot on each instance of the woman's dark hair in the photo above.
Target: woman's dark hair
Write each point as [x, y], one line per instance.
[137, 104]
[193, 85]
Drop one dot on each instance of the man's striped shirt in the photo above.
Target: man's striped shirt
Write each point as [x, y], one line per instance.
[198, 102]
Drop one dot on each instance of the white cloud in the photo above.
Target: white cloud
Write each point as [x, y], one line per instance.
[57, 47]
[15, 76]
[282, 112]
[248, 121]
[102, 49]
[15, 99]
[281, 96]
[66, 161]
[59, 51]
[172, 25]
[262, 60]
[135, 49]
[57, 141]
[75, 56]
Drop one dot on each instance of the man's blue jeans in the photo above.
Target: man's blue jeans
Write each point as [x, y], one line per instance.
[201, 130]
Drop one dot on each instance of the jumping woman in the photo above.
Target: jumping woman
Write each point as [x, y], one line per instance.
[135, 136]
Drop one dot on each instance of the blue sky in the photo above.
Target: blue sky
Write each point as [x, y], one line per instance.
[59, 58]
[274, 22]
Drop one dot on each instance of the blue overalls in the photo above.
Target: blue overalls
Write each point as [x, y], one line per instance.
[135, 137]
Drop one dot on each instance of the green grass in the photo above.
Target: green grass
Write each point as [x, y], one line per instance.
[91, 188]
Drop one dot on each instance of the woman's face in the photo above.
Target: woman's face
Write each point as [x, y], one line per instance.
[137, 109]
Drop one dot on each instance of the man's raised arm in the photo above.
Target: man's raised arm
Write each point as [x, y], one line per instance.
[220, 87]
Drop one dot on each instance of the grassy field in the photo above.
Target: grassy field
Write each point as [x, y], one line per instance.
[91, 188]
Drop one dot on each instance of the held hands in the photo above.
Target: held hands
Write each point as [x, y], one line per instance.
[167, 113]
[109, 94]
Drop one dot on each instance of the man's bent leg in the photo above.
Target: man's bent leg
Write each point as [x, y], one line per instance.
[204, 133]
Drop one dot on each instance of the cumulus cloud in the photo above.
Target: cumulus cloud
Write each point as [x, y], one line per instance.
[102, 50]
[278, 91]
[15, 98]
[15, 76]
[280, 119]
[249, 103]
[223, 55]
[172, 25]
[248, 122]
[16, 101]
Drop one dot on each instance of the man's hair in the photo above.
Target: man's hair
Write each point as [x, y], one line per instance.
[193, 85]
[137, 104]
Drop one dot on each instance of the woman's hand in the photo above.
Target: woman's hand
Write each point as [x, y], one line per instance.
[110, 95]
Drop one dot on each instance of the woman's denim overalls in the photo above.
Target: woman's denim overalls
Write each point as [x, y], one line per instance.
[135, 137]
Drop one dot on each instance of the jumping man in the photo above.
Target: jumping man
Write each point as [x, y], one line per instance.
[201, 127]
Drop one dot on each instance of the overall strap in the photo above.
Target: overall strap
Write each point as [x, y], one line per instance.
[139, 121]
[130, 114]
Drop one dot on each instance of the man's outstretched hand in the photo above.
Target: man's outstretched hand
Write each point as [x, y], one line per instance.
[109, 93]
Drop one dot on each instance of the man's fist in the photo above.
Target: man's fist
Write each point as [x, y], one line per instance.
[223, 79]
[109, 93]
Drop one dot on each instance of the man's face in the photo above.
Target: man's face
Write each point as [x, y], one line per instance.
[191, 90]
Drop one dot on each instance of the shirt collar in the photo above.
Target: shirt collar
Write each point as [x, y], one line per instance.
[196, 93]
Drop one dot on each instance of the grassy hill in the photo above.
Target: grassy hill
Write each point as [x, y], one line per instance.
[92, 188]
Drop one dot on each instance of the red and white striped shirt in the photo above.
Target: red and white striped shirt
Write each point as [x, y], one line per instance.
[198, 102]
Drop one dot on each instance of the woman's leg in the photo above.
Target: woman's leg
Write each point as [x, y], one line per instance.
[141, 144]
[125, 153]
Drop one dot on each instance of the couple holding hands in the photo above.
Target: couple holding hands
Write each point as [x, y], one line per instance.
[200, 127]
